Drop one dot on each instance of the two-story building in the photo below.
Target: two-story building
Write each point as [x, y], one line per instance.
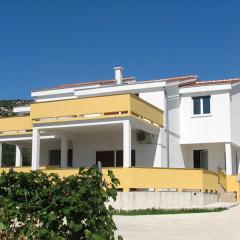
[173, 133]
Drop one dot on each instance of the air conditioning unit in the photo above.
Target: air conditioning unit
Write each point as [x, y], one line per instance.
[144, 137]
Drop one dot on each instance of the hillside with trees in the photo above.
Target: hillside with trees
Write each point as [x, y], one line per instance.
[6, 106]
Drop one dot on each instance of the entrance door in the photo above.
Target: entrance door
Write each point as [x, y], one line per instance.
[119, 158]
[200, 159]
[55, 157]
[106, 158]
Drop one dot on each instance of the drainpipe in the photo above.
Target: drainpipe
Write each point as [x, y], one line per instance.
[166, 126]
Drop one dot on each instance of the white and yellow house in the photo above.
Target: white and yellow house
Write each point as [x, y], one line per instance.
[177, 133]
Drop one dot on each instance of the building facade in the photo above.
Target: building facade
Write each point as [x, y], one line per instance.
[174, 123]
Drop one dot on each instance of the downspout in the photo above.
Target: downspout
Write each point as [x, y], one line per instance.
[166, 126]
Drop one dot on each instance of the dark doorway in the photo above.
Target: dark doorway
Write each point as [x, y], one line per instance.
[106, 158]
[55, 157]
[119, 158]
[200, 159]
[70, 157]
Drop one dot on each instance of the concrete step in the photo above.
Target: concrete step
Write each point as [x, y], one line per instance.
[224, 196]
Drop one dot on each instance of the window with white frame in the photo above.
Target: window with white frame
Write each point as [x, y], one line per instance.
[201, 105]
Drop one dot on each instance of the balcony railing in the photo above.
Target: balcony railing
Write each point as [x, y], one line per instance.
[96, 108]
[15, 125]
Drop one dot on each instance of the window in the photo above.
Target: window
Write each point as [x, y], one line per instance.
[206, 104]
[201, 105]
[196, 105]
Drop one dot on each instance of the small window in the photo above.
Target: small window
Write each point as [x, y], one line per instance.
[206, 104]
[201, 105]
[196, 105]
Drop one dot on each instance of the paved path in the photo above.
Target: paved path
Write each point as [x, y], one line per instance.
[199, 226]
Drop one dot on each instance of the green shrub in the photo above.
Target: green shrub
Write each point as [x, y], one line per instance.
[35, 205]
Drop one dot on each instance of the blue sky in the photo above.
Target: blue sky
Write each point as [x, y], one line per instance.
[50, 42]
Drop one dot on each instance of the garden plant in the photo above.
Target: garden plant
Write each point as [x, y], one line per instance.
[36, 205]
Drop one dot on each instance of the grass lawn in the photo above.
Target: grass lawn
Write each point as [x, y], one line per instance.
[155, 211]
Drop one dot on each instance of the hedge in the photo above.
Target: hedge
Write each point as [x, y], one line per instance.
[35, 205]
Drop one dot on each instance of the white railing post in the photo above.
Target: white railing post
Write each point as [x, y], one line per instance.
[35, 149]
[126, 144]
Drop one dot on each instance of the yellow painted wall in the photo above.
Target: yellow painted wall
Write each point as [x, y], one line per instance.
[106, 106]
[146, 110]
[157, 178]
[89, 105]
[15, 123]
[75, 109]
[160, 178]
[229, 183]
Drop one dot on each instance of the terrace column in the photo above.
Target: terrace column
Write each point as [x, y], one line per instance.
[0, 155]
[127, 144]
[64, 152]
[18, 156]
[35, 149]
[229, 164]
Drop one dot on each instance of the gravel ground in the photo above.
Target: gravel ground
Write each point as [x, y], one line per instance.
[205, 226]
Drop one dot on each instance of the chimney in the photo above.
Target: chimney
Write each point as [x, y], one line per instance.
[118, 74]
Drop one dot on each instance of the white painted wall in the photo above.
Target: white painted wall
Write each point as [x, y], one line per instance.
[175, 153]
[235, 115]
[157, 99]
[216, 155]
[211, 128]
[85, 148]
[45, 147]
[86, 145]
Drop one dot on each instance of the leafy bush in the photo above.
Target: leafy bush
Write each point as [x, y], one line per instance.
[35, 205]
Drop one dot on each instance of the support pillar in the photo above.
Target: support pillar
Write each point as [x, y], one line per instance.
[18, 156]
[127, 144]
[229, 163]
[0, 154]
[64, 152]
[35, 149]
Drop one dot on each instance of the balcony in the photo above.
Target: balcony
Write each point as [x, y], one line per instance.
[103, 107]
[15, 125]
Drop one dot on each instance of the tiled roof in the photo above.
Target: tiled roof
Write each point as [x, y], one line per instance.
[213, 82]
[194, 82]
[173, 79]
[84, 84]
[127, 80]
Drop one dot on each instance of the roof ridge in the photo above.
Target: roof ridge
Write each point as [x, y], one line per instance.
[213, 82]
[96, 82]
[220, 80]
